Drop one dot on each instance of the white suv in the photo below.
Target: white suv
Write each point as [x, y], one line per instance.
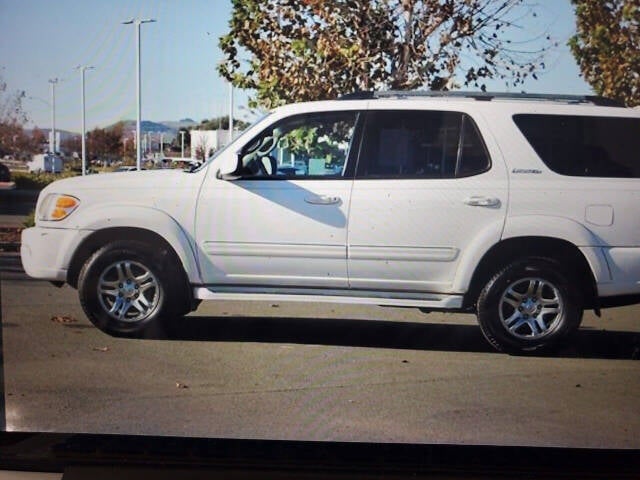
[521, 208]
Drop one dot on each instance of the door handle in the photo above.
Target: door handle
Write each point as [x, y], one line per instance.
[480, 201]
[322, 200]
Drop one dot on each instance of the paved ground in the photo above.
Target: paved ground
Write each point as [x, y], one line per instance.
[313, 372]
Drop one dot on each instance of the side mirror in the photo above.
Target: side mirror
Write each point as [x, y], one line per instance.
[230, 168]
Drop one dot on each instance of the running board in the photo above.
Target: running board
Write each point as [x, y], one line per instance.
[392, 299]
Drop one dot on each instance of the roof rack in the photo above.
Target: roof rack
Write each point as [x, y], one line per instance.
[482, 96]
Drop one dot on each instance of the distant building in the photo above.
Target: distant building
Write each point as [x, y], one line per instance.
[61, 137]
[207, 141]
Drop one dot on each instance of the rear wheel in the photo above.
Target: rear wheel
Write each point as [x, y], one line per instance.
[127, 289]
[531, 304]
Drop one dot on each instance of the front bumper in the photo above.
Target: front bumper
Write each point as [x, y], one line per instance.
[47, 252]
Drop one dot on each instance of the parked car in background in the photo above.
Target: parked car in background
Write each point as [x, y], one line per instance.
[127, 169]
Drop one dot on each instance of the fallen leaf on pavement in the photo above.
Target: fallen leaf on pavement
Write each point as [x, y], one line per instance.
[63, 319]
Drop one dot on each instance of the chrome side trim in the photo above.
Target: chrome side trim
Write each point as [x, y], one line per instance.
[403, 254]
[235, 249]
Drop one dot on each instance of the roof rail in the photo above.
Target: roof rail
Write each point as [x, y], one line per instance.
[482, 96]
[359, 95]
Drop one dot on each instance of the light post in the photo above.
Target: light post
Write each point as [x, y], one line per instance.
[82, 69]
[52, 139]
[137, 22]
[230, 112]
[230, 107]
[182, 143]
[134, 137]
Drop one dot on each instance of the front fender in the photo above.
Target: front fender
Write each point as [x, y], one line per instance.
[103, 217]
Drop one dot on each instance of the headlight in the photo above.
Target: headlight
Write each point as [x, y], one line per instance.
[57, 207]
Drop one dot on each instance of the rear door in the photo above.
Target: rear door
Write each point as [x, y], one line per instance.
[425, 189]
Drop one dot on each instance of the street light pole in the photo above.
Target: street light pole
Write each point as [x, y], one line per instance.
[82, 69]
[137, 22]
[52, 140]
[230, 112]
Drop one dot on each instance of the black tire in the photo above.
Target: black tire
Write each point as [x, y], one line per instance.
[532, 304]
[130, 289]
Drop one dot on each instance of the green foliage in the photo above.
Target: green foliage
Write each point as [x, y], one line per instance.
[607, 47]
[317, 141]
[221, 123]
[30, 221]
[302, 50]
[37, 181]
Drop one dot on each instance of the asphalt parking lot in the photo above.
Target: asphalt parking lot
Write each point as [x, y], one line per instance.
[313, 372]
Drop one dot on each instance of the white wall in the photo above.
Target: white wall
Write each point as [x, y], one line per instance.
[211, 139]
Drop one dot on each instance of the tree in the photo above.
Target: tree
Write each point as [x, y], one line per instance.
[607, 47]
[201, 147]
[176, 144]
[38, 138]
[72, 144]
[221, 123]
[318, 49]
[105, 143]
[11, 110]
[13, 140]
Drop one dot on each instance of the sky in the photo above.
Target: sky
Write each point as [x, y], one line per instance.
[46, 39]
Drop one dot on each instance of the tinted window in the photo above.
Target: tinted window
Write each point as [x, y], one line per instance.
[421, 144]
[311, 145]
[584, 146]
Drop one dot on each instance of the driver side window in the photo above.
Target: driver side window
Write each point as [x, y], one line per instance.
[303, 146]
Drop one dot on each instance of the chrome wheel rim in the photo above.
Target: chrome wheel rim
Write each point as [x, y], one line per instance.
[128, 291]
[531, 308]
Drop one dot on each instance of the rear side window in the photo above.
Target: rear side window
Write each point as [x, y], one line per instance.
[584, 146]
[421, 144]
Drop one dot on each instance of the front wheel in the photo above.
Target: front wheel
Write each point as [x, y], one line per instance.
[128, 290]
[531, 304]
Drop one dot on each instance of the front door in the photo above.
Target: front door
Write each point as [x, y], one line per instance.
[283, 222]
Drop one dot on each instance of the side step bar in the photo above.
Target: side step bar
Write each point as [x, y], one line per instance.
[393, 299]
